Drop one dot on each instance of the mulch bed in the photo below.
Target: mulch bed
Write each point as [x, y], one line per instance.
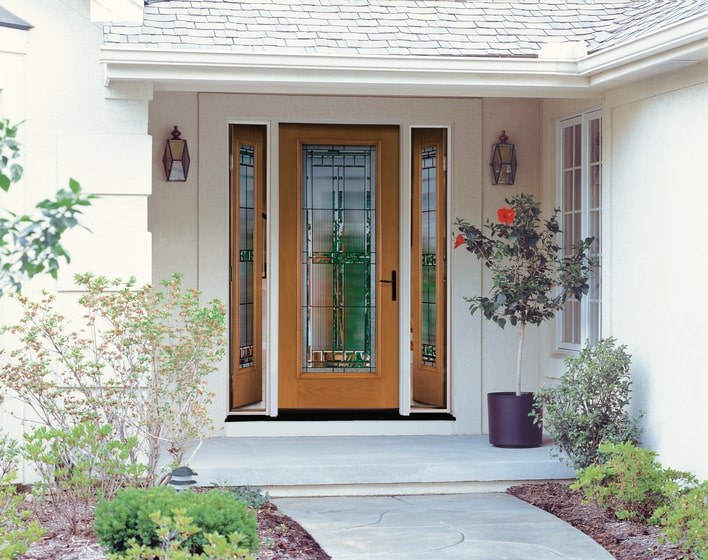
[625, 540]
[284, 539]
[281, 539]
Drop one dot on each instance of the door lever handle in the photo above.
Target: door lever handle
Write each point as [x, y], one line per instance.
[392, 281]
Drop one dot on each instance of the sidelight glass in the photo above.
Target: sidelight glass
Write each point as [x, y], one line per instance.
[429, 242]
[338, 258]
[245, 255]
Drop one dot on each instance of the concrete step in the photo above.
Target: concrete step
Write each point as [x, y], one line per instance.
[372, 465]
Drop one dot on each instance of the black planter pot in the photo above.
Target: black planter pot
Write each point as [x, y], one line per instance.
[509, 422]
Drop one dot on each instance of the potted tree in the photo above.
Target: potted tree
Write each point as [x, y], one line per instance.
[532, 277]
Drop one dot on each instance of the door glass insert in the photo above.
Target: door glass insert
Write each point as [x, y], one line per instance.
[245, 255]
[339, 258]
[429, 236]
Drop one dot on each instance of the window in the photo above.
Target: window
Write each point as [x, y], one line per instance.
[580, 180]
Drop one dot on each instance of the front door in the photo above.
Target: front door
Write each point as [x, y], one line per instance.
[338, 263]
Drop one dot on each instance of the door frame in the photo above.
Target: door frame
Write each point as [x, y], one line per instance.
[269, 405]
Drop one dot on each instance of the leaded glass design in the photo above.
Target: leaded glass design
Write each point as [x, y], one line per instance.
[429, 210]
[339, 258]
[245, 252]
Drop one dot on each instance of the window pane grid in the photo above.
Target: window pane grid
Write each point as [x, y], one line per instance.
[581, 216]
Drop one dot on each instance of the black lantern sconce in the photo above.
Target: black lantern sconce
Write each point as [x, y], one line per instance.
[503, 162]
[176, 157]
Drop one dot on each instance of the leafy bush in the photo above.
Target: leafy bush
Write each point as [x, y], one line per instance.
[684, 520]
[140, 364]
[252, 497]
[589, 404]
[9, 452]
[17, 532]
[630, 482]
[174, 533]
[76, 465]
[129, 519]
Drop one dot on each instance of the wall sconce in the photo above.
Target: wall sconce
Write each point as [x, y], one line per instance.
[503, 162]
[176, 157]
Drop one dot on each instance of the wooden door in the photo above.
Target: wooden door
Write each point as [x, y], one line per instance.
[248, 165]
[338, 267]
[428, 252]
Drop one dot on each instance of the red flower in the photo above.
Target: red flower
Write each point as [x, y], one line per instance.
[506, 215]
[459, 240]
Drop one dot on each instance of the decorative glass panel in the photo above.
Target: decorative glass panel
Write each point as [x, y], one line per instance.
[245, 246]
[339, 258]
[429, 192]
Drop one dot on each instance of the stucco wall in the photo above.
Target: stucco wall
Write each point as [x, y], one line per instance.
[75, 127]
[659, 258]
[189, 221]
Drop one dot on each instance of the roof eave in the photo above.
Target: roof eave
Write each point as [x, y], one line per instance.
[681, 44]
[587, 76]
[350, 75]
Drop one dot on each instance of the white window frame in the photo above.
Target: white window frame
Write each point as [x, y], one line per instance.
[590, 326]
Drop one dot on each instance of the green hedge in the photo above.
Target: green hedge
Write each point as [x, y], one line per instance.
[126, 519]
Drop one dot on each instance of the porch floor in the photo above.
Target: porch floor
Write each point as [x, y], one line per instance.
[371, 465]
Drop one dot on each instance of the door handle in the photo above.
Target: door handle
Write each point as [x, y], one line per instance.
[392, 281]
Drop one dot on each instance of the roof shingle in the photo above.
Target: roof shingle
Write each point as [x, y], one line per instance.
[462, 28]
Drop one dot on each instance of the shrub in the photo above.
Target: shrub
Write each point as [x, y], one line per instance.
[76, 465]
[174, 532]
[17, 531]
[140, 364]
[252, 497]
[684, 520]
[589, 404]
[130, 518]
[630, 482]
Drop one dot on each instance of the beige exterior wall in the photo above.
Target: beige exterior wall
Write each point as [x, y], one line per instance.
[189, 223]
[658, 258]
[75, 127]
[654, 259]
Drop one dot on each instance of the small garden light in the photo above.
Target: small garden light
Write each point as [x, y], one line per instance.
[182, 478]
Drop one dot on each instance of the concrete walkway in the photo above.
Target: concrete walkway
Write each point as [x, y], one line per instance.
[492, 526]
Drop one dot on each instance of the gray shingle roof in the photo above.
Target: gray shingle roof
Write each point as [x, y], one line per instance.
[8, 19]
[644, 17]
[498, 28]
